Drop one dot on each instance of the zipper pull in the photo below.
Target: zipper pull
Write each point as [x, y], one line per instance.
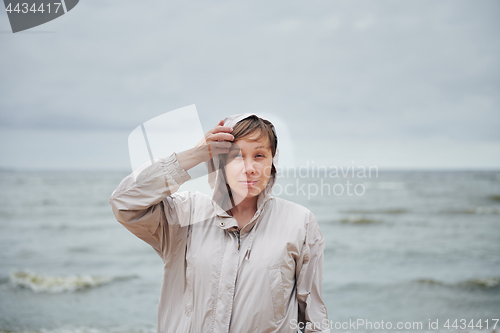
[238, 240]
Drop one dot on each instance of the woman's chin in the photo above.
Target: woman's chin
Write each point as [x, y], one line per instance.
[240, 196]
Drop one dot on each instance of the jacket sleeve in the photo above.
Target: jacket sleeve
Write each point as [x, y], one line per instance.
[313, 315]
[149, 207]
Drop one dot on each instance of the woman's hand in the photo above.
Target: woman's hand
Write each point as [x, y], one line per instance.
[216, 141]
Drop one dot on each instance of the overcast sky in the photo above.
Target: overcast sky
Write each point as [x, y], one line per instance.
[396, 84]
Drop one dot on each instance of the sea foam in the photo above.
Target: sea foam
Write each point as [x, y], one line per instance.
[56, 284]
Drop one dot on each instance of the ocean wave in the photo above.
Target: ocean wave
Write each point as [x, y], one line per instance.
[482, 282]
[57, 284]
[380, 211]
[486, 282]
[494, 197]
[385, 185]
[491, 210]
[358, 220]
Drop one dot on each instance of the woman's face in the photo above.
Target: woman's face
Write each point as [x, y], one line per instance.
[248, 167]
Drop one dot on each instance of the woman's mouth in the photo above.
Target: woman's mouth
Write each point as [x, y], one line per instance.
[249, 183]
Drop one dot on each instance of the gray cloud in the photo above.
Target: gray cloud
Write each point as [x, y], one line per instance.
[335, 70]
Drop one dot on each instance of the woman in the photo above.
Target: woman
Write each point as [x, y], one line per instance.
[241, 261]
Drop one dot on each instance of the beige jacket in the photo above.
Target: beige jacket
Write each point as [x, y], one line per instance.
[271, 283]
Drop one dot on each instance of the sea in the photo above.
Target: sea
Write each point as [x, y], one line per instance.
[419, 250]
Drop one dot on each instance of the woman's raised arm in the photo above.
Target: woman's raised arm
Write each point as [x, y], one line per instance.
[214, 142]
[139, 205]
[145, 204]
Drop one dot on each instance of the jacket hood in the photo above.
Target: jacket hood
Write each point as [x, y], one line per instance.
[220, 197]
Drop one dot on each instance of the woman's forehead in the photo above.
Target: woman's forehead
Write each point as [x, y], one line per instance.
[248, 143]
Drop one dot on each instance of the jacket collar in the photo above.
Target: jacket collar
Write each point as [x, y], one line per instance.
[261, 200]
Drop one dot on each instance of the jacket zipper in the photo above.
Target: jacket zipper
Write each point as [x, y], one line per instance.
[238, 231]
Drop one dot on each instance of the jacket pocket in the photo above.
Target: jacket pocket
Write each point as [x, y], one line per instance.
[277, 292]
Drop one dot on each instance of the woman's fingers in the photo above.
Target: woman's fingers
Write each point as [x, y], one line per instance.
[218, 129]
[221, 136]
[216, 141]
[220, 145]
[221, 128]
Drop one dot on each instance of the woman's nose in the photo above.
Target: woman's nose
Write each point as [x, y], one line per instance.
[249, 166]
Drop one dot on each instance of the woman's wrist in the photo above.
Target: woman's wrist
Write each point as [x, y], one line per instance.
[192, 157]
